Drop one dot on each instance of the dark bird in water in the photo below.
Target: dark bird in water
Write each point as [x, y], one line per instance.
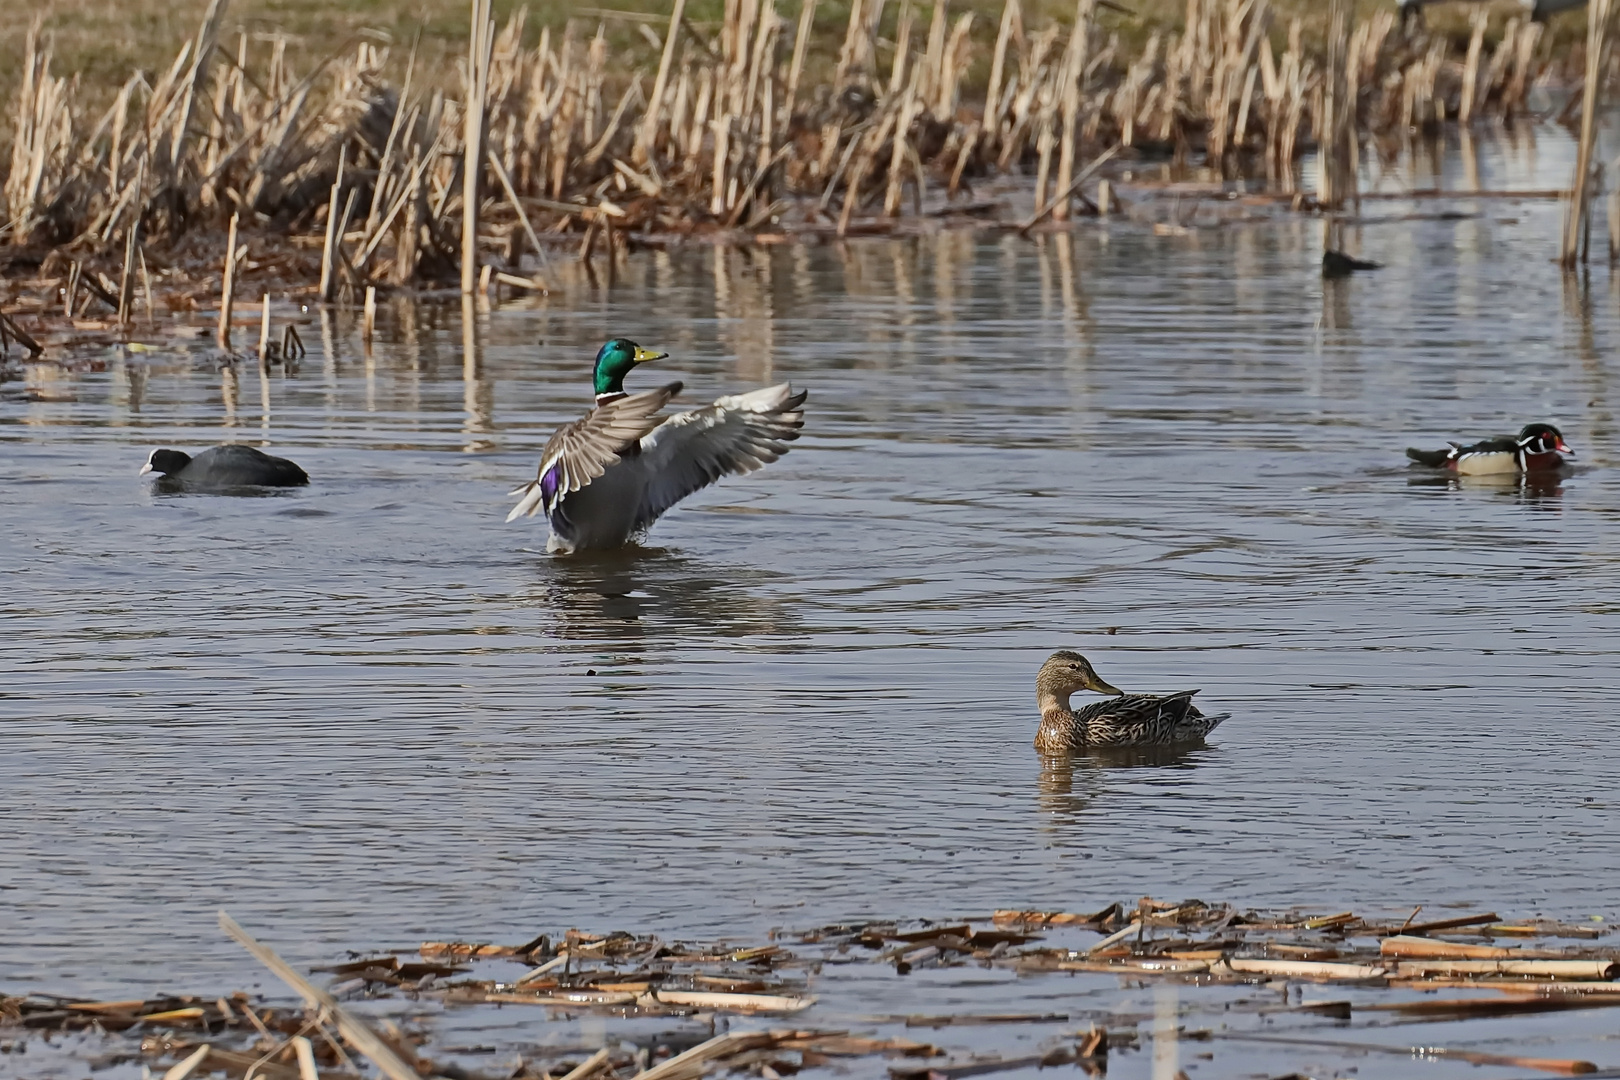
[1124, 720]
[1336, 264]
[1538, 448]
[605, 478]
[229, 466]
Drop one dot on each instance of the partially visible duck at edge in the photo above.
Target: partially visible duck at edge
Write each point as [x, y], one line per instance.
[1123, 720]
[1538, 448]
[223, 467]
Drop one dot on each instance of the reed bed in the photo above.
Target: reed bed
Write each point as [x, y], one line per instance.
[342, 181]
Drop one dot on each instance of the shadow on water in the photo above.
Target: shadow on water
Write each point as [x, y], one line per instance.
[168, 489]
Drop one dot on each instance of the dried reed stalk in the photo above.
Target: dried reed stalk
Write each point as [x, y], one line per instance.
[1577, 220]
[264, 332]
[227, 290]
[1074, 72]
[1335, 180]
[479, 46]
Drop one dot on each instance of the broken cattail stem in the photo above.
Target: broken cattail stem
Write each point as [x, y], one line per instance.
[801, 42]
[126, 279]
[327, 250]
[1074, 73]
[1335, 182]
[648, 132]
[264, 332]
[512, 199]
[368, 324]
[1575, 220]
[1096, 163]
[224, 335]
[478, 54]
[146, 287]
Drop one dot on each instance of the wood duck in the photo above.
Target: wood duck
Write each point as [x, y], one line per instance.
[607, 477]
[1538, 448]
[1124, 720]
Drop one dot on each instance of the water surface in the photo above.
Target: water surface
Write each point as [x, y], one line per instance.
[367, 712]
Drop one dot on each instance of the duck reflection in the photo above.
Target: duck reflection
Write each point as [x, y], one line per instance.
[1069, 783]
[1543, 490]
[620, 594]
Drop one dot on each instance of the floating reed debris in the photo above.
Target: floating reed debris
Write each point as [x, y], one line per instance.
[1386, 967]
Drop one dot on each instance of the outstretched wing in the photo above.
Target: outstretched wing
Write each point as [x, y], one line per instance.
[737, 434]
[580, 452]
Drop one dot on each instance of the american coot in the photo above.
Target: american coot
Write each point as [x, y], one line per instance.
[1538, 448]
[229, 466]
[605, 478]
[1123, 720]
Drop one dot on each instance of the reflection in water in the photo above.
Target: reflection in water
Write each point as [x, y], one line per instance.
[1054, 788]
[230, 392]
[619, 595]
[1542, 489]
[1166, 1031]
[477, 392]
[1336, 303]
[1062, 774]
[264, 399]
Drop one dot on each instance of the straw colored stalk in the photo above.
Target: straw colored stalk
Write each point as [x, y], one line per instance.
[1335, 180]
[478, 56]
[1074, 72]
[1577, 219]
[227, 290]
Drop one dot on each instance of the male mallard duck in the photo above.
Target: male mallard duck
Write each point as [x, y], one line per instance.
[1538, 448]
[1125, 720]
[606, 477]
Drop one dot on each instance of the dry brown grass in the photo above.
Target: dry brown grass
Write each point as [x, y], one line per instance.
[103, 41]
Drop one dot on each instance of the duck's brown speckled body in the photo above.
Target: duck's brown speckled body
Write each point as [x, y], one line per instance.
[1122, 720]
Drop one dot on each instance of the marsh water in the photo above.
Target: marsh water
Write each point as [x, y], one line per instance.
[368, 712]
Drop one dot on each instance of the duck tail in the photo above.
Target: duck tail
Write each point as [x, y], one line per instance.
[533, 495]
[1434, 459]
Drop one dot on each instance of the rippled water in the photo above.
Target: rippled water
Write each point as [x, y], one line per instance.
[368, 712]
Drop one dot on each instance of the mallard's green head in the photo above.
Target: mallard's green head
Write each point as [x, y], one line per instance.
[615, 360]
[1066, 672]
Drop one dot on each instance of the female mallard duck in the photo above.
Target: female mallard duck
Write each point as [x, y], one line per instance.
[1538, 448]
[1126, 720]
[605, 478]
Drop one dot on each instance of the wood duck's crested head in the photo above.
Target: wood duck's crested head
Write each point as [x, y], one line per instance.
[1543, 439]
[1066, 673]
[617, 359]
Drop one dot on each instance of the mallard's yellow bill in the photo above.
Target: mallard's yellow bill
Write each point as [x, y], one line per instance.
[645, 355]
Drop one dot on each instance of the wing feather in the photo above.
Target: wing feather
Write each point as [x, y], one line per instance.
[739, 433]
[583, 450]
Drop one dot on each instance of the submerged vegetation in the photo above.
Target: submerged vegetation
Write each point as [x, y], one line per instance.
[342, 178]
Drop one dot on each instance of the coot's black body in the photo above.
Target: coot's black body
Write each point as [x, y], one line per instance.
[223, 467]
